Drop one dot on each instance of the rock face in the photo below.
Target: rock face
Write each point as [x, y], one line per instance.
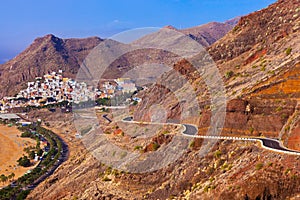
[48, 53]
[237, 105]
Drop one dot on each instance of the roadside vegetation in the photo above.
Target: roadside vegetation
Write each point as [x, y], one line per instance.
[21, 187]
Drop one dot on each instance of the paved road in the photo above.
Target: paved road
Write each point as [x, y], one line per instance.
[105, 117]
[128, 119]
[190, 130]
[274, 144]
[268, 143]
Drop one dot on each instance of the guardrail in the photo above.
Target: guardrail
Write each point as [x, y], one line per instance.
[286, 151]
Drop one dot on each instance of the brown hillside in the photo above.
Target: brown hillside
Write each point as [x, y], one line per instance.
[208, 34]
[264, 27]
[45, 54]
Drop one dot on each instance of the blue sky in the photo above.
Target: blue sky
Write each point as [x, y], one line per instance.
[22, 21]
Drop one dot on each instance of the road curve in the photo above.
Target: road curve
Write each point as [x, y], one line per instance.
[191, 130]
[275, 144]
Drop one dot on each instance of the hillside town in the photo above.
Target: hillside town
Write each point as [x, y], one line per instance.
[54, 88]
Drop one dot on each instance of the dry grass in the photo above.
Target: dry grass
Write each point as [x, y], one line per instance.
[11, 149]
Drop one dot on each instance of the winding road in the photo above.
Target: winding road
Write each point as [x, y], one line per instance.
[192, 131]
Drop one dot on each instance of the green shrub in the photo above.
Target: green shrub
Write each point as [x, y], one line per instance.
[278, 109]
[251, 129]
[288, 51]
[272, 72]
[108, 170]
[3, 178]
[106, 179]
[31, 154]
[218, 154]
[138, 147]
[287, 128]
[155, 146]
[235, 29]
[294, 177]
[224, 166]
[192, 144]
[229, 74]
[24, 161]
[23, 194]
[287, 171]
[206, 188]
[259, 166]
[27, 134]
[40, 152]
[284, 116]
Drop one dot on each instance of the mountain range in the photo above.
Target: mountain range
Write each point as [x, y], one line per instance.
[50, 53]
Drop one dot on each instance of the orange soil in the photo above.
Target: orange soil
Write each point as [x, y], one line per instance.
[11, 149]
[289, 86]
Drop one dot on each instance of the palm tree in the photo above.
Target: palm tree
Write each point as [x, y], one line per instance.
[11, 176]
[3, 178]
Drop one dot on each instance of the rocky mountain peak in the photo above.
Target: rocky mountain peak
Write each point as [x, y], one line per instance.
[170, 27]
